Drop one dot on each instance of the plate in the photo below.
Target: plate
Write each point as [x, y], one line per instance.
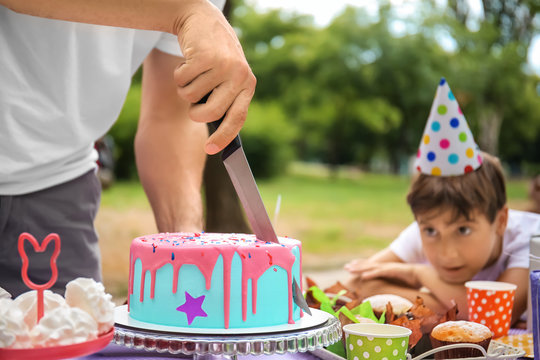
[59, 352]
[121, 317]
[496, 350]
[301, 340]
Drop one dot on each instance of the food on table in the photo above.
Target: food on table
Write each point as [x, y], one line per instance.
[344, 295]
[456, 332]
[4, 294]
[418, 318]
[27, 303]
[400, 305]
[63, 326]
[206, 280]
[90, 296]
[63, 322]
[13, 330]
[365, 320]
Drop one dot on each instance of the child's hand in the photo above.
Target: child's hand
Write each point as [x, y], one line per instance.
[403, 272]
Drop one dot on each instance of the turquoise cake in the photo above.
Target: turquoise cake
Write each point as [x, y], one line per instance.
[213, 281]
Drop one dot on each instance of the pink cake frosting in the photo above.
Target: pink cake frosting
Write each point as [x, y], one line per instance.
[203, 250]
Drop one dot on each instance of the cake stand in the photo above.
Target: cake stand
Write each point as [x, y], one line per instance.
[306, 335]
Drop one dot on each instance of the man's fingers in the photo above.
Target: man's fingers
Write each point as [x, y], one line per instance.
[198, 88]
[217, 104]
[231, 125]
[187, 71]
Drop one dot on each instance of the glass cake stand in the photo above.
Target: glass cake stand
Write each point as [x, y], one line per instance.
[204, 345]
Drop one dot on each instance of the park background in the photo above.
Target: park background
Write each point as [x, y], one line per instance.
[337, 117]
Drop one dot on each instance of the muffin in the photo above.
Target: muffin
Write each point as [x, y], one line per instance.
[458, 332]
[378, 303]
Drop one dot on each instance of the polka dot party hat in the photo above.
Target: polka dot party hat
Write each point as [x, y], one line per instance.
[447, 147]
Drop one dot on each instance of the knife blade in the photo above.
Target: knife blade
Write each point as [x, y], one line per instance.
[298, 297]
[237, 167]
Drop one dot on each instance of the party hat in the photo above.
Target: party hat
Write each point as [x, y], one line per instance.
[447, 147]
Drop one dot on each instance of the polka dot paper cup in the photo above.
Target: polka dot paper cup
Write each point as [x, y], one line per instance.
[376, 341]
[490, 303]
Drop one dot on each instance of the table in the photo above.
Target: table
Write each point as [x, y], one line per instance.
[117, 352]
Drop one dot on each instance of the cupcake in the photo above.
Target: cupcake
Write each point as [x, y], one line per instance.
[399, 304]
[458, 332]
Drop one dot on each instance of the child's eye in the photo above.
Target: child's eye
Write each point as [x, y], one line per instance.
[464, 230]
[430, 231]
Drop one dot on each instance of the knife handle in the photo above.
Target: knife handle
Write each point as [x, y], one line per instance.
[234, 144]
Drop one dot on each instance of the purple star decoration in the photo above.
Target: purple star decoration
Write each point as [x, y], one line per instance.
[192, 307]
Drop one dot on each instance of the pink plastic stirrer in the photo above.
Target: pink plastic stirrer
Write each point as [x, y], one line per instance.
[24, 271]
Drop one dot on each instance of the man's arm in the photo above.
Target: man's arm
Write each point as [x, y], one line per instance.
[214, 60]
[169, 149]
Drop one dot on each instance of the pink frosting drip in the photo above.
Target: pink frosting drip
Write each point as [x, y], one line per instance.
[203, 250]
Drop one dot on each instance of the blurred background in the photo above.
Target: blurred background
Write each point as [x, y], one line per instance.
[343, 94]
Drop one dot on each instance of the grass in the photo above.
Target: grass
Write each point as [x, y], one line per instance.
[340, 214]
[338, 218]
[356, 213]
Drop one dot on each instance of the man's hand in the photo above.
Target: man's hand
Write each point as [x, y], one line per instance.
[402, 272]
[214, 63]
[214, 59]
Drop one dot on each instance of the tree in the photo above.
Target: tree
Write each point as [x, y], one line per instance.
[358, 89]
[502, 84]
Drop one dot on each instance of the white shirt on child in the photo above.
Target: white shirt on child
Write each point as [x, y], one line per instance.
[62, 87]
[515, 252]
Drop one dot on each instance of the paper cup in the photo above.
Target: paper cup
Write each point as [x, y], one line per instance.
[376, 341]
[490, 303]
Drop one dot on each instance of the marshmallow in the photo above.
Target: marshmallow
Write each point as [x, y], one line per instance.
[64, 326]
[13, 330]
[89, 295]
[4, 294]
[27, 303]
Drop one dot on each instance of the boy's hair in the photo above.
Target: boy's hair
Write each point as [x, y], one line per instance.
[483, 190]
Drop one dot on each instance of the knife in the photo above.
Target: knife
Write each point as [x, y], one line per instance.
[237, 166]
[235, 162]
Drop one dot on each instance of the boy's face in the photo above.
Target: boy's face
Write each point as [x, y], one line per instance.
[459, 249]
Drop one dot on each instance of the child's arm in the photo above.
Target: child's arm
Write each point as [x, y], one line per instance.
[366, 288]
[386, 255]
[448, 294]
[413, 277]
[407, 279]
[519, 277]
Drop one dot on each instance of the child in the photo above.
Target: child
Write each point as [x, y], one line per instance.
[463, 229]
[534, 194]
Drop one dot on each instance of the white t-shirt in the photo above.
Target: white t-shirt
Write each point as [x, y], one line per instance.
[62, 87]
[515, 252]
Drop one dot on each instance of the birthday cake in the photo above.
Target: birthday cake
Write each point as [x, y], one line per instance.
[215, 281]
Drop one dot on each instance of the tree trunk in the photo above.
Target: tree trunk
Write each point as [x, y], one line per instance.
[490, 122]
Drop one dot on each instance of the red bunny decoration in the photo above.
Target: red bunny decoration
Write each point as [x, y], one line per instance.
[54, 269]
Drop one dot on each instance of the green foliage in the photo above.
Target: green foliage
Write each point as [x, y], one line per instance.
[123, 133]
[354, 214]
[358, 92]
[363, 310]
[358, 89]
[267, 139]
